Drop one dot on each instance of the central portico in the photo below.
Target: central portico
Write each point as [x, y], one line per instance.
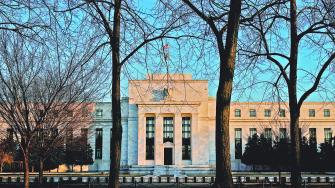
[167, 134]
[168, 109]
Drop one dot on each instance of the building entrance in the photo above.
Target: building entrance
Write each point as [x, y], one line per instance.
[167, 156]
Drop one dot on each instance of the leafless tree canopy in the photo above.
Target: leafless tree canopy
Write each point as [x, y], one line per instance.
[293, 43]
[46, 86]
[265, 42]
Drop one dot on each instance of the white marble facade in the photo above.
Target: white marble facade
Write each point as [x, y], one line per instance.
[179, 96]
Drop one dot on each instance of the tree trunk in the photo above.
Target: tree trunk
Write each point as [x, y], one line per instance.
[81, 168]
[227, 66]
[296, 153]
[40, 172]
[115, 153]
[26, 169]
[293, 104]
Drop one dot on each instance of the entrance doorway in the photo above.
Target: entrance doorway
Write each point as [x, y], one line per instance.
[167, 156]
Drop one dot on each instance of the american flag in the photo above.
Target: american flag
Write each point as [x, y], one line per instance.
[166, 46]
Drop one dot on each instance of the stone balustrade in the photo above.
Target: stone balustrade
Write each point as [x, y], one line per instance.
[330, 179]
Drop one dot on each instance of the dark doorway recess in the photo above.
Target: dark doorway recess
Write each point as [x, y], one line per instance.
[167, 156]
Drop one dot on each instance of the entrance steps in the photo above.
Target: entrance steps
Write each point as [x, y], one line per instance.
[167, 170]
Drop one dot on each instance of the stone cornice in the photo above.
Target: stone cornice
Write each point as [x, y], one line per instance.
[167, 103]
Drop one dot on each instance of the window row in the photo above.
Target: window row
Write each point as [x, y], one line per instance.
[282, 135]
[168, 132]
[281, 113]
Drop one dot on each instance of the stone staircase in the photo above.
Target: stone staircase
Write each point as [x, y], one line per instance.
[167, 171]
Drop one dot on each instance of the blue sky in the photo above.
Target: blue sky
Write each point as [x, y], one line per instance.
[308, 58]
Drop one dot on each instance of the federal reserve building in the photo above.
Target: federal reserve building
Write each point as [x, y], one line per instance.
[169, 127]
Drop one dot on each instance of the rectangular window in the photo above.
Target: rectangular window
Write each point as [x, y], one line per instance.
[311, 112]
[253, 131]
[328, 135]
[69, 137]
[98, 113]
[312, 136]
[237, 112]
[168, 129]
[326, 113]
[252, 113]
[186, 136]
[268, 134]
[282, 113]
[282, 133]
[98, 143]
[238, 143]
[84, 135]
[150, 138]
[267, 113]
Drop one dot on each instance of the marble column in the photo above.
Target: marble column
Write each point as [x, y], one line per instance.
[141, 138]
[178, 140]
[194, 137]
[159, 147]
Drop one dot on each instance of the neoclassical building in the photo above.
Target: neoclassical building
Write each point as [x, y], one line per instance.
[169, 126]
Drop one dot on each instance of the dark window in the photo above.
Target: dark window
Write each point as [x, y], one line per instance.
[252, 113]
[267, 113]
[311, 113]
[328, 135]
[312, 136]
[268, 134]
[282, 113]
[84, 136]
[237, 112]
[282, 133]
[98, 143]
[168, 129]
[253, 131]
[326, 113]
[238, 143]
[98, 113]
[186, 135]
[84, 133]
[69, 137]
[150, 138]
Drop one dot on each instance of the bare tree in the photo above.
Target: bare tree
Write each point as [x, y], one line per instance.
[223, 21]
[40, 83]
[30, 19]
[56, 126]
[311, 29]
[128, 32]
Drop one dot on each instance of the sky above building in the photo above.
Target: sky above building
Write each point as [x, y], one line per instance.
[250, 84]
